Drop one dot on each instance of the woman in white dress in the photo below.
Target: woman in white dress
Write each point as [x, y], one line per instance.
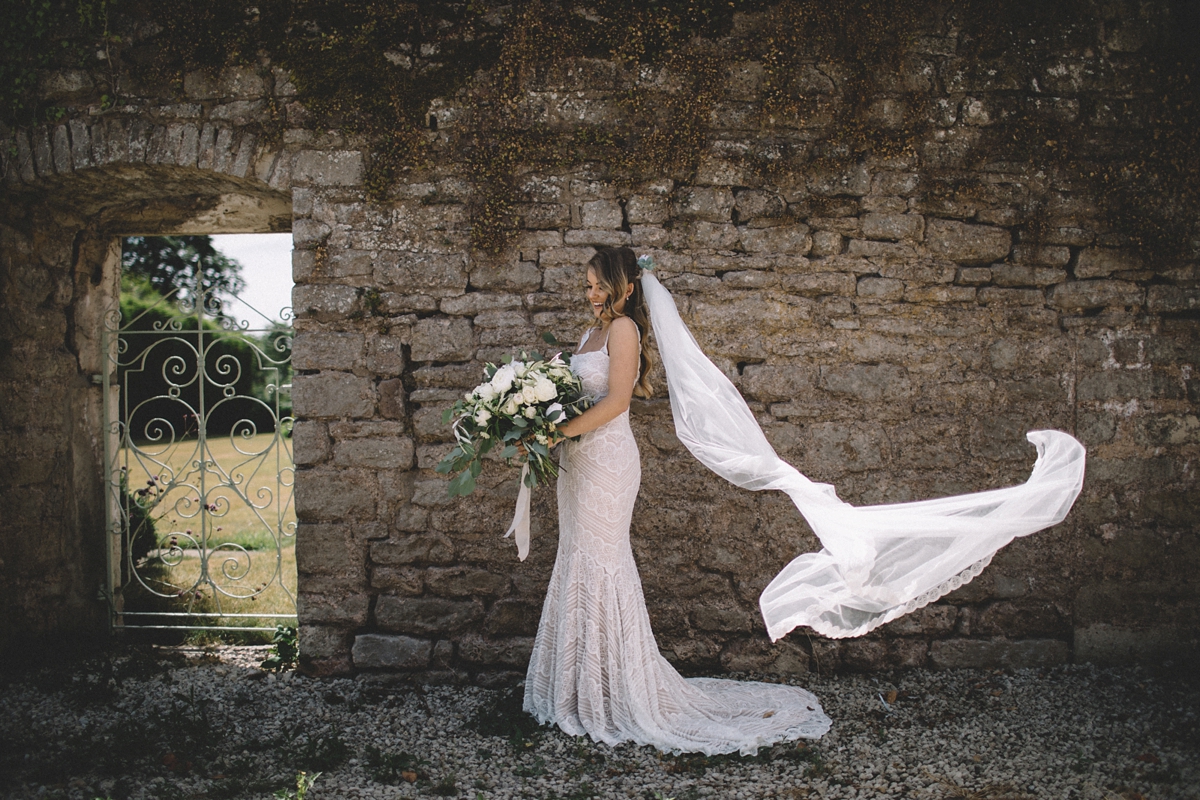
[596, 668]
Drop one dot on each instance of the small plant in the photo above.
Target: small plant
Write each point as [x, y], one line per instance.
[323, 752]
[304, 782]
[446, 787]
[285, 651]
[392, 767]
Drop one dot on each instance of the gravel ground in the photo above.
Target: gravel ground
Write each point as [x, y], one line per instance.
[162, 723]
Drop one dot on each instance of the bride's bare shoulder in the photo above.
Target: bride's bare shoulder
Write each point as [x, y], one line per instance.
[623, 332]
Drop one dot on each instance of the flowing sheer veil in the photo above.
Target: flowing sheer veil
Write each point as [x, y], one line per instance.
[876, 562]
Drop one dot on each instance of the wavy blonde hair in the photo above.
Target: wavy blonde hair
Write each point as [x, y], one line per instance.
[616, 269]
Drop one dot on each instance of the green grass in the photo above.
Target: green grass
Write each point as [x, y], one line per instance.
[239, 479]
[247, 575]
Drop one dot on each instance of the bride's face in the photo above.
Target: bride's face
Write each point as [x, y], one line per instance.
[597, 295]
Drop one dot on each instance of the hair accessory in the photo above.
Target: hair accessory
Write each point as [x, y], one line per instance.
[646, 263]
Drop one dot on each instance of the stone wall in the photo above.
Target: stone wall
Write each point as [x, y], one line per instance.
[893, 320]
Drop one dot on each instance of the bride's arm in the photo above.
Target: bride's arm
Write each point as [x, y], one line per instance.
[622, 375]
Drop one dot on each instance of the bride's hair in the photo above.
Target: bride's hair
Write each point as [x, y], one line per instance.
[616, 269]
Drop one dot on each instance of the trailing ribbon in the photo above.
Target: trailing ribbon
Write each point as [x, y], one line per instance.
[520, 523]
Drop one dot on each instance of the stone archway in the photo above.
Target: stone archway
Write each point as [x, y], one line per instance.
[67, 197]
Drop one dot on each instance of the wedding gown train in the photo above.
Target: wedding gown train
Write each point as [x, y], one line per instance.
[596, 668]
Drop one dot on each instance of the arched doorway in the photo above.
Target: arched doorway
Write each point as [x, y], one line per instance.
[60, 226]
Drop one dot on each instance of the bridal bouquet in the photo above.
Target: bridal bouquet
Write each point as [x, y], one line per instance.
[525, 398]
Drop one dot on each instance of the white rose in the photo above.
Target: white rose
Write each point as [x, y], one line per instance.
[510, 408]
[502, 381]
[555, 413]
[519, 368]
[530, 412]
[486, 393]
[469, 396]
[482, 416]
[529, 395]
[545, 390]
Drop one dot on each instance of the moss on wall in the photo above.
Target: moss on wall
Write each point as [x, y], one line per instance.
[371, 70]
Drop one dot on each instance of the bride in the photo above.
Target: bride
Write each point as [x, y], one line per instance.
[596, 668]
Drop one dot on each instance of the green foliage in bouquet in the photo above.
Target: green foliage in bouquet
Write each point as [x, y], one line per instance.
[521, 401]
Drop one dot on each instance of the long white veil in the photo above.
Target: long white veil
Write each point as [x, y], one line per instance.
[877, 562]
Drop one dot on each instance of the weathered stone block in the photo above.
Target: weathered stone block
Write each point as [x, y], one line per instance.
[512, 618]
[721, 618]
[816, 284]
[647, 209]
[310, 442]
[535, 216]
[836, 449]
[328, 168]
[428, 425]
[790, 239]
[334, 494]
[514, 652]
[309, 233]
[324, 302]
[440, 275]
[1100, 262]
[331, 609]
[601, 214]
[349, 264]
[704, 203]
[758, 204]
[385, 354]
[705, 235]
[826, 243]
[1102, 643]
[902, 184]
[424, 548]
[426, 614]
[967, 244]
[519, 276]
[565, 257]
[1020, 275]
[391, 399]
[330, 549]
[864, 655]
[1170, 299]
[322, 642]
[332, 394]
[597, 238]
[1082, 295]
[880, 288]
[379, 651]
[374, 453]
[991, 296]
[985, 654]
[442, 340]
[880, 252]
[939, 294]
[312, 350]
[854, 181]
[867, 382]
[463, 581]
[936, 620]
[773, 382]
[404, 581]
[1042, 256]
[894, 227]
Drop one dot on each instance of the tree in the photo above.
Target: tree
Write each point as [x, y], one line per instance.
[170, 263]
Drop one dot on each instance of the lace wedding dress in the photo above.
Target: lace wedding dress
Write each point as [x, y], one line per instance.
[595, 667]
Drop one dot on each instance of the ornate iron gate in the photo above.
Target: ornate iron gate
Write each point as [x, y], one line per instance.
[199, 487]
